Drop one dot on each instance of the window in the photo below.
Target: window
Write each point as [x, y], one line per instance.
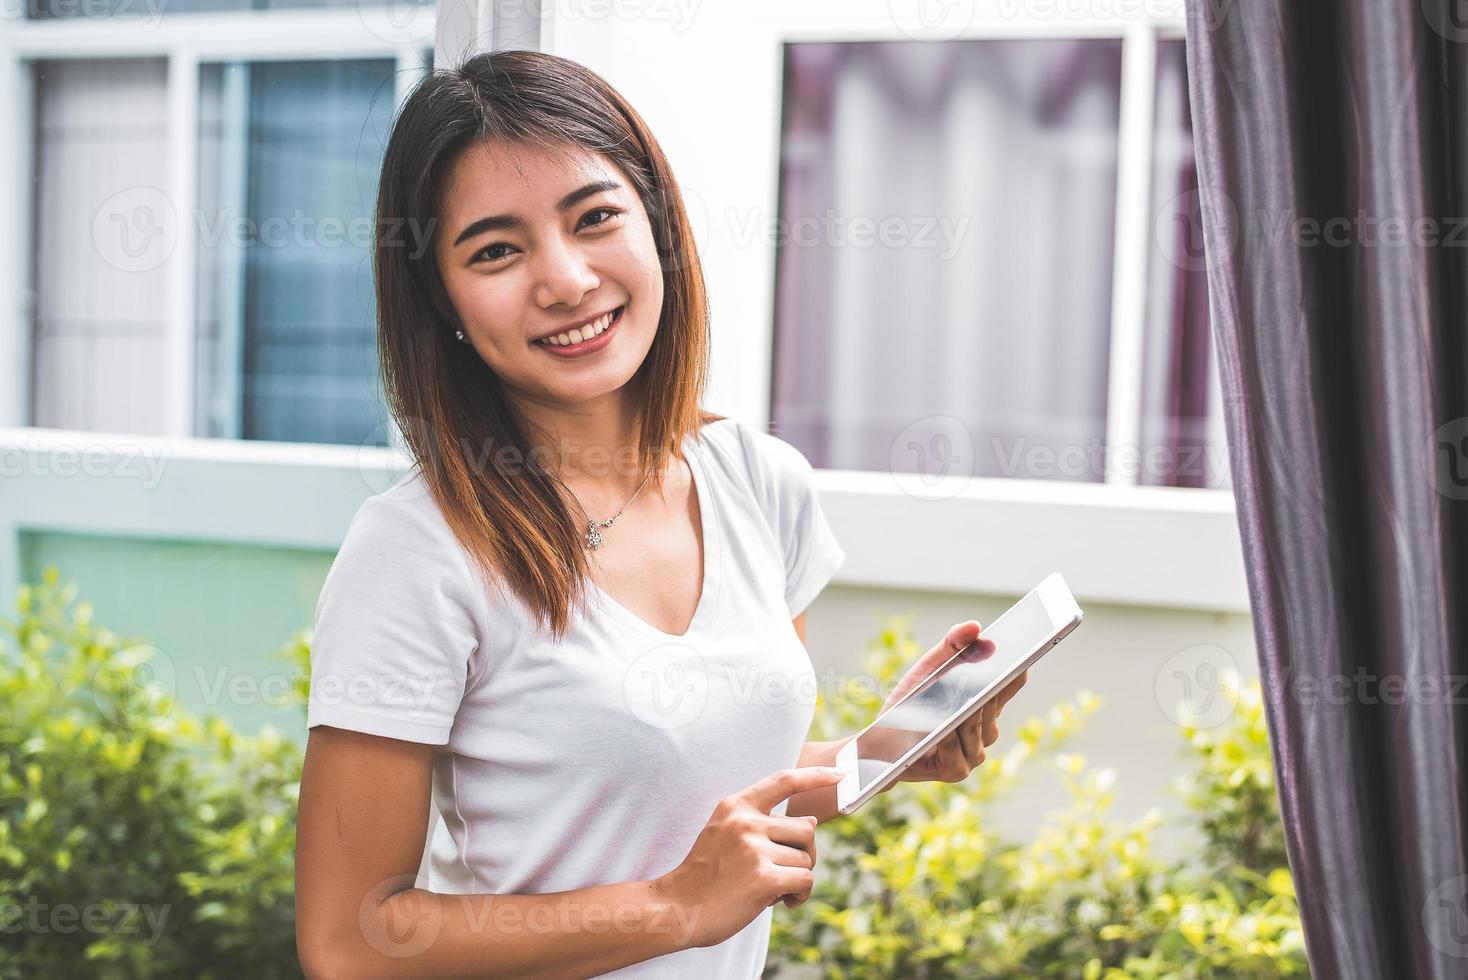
[73, 9]
[948, 260]
[203, 222]
[1181, 416]
[288, 167]
[100, 315]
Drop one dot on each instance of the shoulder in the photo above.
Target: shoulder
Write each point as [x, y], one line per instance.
[773, 466]
[401, 534]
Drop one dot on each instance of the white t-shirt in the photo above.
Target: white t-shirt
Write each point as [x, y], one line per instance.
[598, 759]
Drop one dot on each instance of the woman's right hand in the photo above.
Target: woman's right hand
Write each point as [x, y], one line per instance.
[746, 860]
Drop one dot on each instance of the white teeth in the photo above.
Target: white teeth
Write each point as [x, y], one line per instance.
[583, 333]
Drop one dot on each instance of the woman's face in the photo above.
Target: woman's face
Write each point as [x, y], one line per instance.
[532, 244]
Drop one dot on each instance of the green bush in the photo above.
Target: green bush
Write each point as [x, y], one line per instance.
[139, 841]
[136, 839]
[916, 884]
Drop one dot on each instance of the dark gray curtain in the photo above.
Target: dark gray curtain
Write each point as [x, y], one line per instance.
[1334, 191]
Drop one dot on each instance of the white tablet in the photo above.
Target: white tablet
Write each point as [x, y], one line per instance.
[959, 687]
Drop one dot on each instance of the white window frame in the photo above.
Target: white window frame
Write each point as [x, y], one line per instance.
[1148, 546]
[184, 41]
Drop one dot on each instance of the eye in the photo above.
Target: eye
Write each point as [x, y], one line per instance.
[483, 253]
[612, 214]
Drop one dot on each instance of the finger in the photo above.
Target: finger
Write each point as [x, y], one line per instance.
[958, 637]
[949, 764]
[989, 721]
[789, 857]
[791, 881]
[785, 783]
[1012, 688]
[968, 738]
[793, 831]
[797, 858]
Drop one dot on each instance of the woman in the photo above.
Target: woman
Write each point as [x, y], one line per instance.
[576, 630]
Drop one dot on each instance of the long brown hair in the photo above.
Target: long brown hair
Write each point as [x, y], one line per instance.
[464, 434]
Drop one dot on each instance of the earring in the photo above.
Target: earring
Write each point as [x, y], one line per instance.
[460, 335]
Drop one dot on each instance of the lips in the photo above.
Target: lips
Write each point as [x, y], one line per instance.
[582, 333]
[588, 344]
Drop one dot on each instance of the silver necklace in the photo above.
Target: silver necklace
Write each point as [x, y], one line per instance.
[593, 528]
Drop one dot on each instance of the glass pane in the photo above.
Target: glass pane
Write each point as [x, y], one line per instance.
[153, 9]
[1182, 440]
[945, 255]
[288, 168]
[103, 233]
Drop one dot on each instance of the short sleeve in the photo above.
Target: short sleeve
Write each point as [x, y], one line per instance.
[786, 482]
[395, 628]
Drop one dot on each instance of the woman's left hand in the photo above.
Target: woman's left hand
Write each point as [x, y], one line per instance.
[952, 759]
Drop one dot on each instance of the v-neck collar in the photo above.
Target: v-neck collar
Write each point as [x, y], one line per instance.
[712, 559]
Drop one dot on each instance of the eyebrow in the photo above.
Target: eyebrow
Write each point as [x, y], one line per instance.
[498, 221]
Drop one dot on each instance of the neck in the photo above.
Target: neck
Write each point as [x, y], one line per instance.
[591, 446]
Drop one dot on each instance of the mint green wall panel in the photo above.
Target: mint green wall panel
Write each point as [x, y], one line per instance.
[219, 612]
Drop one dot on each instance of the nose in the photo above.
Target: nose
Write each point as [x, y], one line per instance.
[562, 275]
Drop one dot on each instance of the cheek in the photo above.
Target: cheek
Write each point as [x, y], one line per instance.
[646, 266]
[492, 306]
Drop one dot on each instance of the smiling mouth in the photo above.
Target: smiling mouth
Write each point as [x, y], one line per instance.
[574, 338]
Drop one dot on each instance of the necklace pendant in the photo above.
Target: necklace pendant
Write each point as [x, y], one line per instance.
[593, 536]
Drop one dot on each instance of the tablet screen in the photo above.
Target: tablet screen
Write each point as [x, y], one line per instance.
[1019, 632]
